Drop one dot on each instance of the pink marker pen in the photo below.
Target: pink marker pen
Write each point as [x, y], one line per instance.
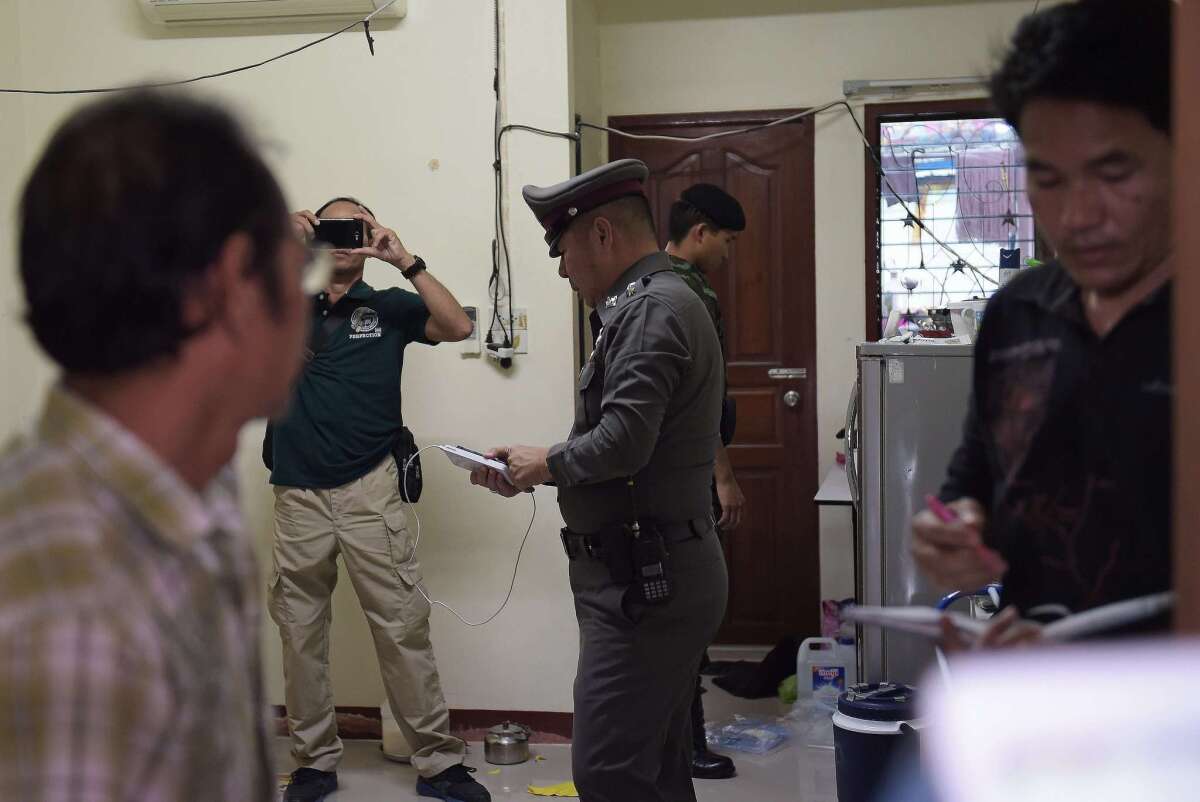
[949, 516]
[944, 513]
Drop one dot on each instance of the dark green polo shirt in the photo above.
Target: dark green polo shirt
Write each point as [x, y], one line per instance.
[345, 413]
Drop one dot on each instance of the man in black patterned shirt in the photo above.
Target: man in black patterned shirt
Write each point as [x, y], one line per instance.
[1062, 485]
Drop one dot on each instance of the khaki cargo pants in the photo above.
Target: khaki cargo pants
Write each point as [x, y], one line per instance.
[364, 522]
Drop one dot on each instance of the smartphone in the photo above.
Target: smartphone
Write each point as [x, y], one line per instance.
[340, 232]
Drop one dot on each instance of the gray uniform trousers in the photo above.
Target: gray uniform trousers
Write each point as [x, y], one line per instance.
[637, 674]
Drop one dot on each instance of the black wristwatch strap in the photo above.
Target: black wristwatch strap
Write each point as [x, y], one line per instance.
[417, 266]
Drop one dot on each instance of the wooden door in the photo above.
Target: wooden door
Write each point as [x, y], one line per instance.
[767, 298]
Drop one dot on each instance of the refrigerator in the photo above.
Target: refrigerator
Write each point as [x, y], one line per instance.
[904, 423]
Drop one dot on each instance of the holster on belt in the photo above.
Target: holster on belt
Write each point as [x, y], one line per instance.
[612, 545]
[636, 555]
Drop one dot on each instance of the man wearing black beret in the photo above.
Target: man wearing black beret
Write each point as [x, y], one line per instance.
[704, 223]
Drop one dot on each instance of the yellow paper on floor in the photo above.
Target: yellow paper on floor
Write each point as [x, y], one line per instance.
[562, 789]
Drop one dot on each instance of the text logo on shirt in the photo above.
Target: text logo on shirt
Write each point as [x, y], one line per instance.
[365, 323]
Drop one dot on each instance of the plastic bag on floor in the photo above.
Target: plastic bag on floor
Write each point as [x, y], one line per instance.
[813, 720]
[756, 736]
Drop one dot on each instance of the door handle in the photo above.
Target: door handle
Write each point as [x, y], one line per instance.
[791, 398]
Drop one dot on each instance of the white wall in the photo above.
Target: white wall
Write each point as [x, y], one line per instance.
[586, 75]
[338, 121]
[800, 60]
[25, 377]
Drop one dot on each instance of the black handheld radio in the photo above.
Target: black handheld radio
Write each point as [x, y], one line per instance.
[650, 574]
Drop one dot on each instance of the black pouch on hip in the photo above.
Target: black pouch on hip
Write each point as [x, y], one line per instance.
[404, 448]
[614, 541]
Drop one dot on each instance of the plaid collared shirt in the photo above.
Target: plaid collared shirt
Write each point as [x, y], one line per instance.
[129, 624]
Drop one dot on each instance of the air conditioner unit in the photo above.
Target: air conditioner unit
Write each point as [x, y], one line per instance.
[245, 12]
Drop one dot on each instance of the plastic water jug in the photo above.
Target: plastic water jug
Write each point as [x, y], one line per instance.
[821, 670]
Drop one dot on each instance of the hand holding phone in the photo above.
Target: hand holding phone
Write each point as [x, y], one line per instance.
[304, 224]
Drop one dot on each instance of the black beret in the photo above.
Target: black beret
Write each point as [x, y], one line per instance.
[717, 205]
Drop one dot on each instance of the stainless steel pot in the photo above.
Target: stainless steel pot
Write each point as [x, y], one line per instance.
[506, 744]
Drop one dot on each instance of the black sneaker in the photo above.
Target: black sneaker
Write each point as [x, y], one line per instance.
[455, 784]
[310, 785]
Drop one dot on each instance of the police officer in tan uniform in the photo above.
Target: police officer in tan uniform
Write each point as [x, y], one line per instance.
[633, 478]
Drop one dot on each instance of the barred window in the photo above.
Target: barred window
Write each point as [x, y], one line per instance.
[964, 178]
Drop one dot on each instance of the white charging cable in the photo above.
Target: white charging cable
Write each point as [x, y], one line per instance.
[516, 566]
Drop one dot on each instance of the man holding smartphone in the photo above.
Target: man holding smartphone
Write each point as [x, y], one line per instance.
[337, 491]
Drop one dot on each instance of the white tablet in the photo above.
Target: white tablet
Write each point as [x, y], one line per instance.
[470, 460]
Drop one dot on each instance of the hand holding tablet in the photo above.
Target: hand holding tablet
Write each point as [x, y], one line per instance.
[471, 460]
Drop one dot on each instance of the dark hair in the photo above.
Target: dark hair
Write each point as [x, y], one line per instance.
[1115, 52]
[683, 218]
[343, 199]
[630, 212]
[125, 211]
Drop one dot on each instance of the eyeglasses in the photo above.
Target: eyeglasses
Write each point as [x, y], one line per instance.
[316, 270]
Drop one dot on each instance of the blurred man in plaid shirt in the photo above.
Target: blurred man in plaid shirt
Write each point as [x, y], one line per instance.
[161, 276]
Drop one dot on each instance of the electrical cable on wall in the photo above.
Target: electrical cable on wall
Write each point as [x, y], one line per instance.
[417, 542]
[799, 116]
[979, 274]
[365, 22]
[500, 130]
[719, 134]
[501, 233]
[500, 249]
[499, 245]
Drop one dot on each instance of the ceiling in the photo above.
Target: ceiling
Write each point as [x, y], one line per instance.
[623, 11]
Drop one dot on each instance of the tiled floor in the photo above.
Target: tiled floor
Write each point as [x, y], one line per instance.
[792, 773]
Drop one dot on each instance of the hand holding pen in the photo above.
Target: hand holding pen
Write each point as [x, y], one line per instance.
[948, 545]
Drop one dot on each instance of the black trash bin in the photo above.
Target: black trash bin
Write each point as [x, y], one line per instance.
[875, 724]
